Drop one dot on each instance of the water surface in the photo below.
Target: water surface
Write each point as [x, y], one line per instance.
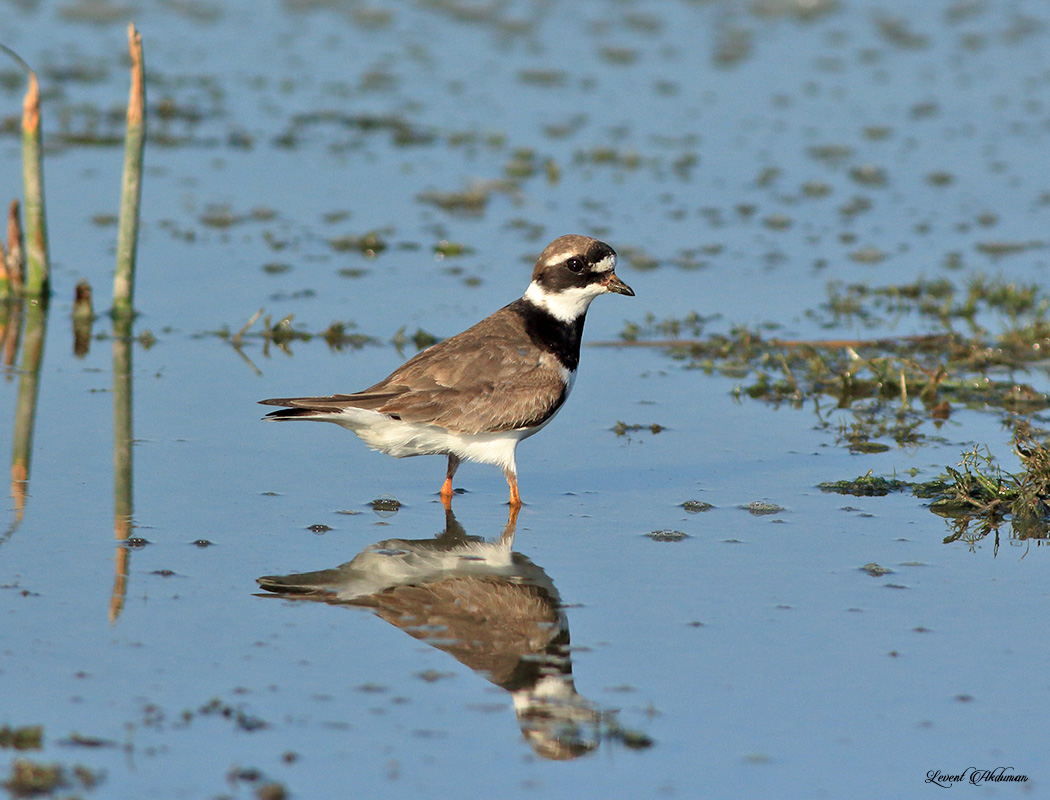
[739, 157]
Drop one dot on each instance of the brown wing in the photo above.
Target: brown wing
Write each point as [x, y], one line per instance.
[488, 378]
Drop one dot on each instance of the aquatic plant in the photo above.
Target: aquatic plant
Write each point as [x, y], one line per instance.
[977, 496]
[897, 391]
[36, 281]
[894, 387]
[131, 186]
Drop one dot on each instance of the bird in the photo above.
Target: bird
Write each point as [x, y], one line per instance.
[476, 395]
[485, 604]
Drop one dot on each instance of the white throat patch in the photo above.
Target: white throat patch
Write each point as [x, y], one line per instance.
[568, 305]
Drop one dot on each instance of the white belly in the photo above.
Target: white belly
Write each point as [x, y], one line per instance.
[401, 439]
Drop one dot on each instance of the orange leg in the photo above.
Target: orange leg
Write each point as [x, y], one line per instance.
[446, 487]
[512, 482]
[512, 521]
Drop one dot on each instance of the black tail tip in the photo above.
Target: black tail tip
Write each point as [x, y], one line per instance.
[290, 413]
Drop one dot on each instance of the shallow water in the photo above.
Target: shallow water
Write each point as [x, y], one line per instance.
[721, 148]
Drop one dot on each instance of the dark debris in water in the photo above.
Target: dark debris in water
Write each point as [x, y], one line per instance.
[386, 506]
[421, 339]
[25, 737]
[368, 244]
[696, 506]
[667, 536]
[265, 789]
[470, 202]
[34, 778]
[631, 739]
[401, 132]
[761, 508]
[92, 742]
[243, 720]
[875, 570]
[622, 428]
[281, 334]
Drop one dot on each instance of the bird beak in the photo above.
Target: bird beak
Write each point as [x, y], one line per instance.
[614, 284]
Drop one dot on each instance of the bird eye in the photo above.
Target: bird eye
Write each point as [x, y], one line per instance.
[574, 265]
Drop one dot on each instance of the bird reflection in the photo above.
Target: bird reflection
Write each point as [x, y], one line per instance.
[489, 607]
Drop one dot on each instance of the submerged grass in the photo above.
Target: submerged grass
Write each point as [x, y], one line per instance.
[895, 387]
[985, 348]
[977, 496]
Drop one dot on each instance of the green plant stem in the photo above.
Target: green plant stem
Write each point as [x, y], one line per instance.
[25, 407]
[122, 425]
[131, 188]
[37, 278]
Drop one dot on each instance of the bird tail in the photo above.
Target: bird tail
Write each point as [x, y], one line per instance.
[301, 407]
[295, 413]
[325, 408]
[305, 583]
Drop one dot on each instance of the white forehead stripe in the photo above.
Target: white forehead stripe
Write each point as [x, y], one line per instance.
[607, 264]
[567, 305]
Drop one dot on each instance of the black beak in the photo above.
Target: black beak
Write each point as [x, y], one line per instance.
[614, 284]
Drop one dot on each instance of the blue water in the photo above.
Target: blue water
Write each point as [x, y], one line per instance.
[755, 654]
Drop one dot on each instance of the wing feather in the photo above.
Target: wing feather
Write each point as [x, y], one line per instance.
[488, 378]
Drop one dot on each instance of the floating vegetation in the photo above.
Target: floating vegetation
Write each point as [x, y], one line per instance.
[337, 336]
[984, 342]
[622, 428]
[876, 570]
[690, 326]
[401, 132]
[978, 496]
[760, 508]
[984, 496]
[869, 175]
[471, 201]
[608, 156]
[26, 737]
[421, 339]
[865, 486]
[386, 505]
[868, 255]
[545, 78]
[667, 535]
[32, 778]
[1000, 249]
[243, 721]
[447, 249]
[369, 244]
[893, 388]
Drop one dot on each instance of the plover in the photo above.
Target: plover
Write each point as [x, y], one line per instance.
[486, 605]
[476, 395]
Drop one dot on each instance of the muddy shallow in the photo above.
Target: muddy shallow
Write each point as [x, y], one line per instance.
[398, 167]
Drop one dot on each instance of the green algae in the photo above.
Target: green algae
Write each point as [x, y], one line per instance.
[981, 338]
[977, 496]
[623, 429]
[865, 486]
[983, 341]
[24, 737]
